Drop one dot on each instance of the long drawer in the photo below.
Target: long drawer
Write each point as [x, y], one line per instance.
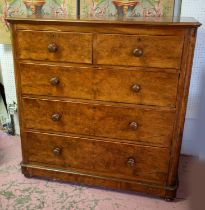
[54, 46]
[136, 50]
[117, 85]
[153, 126]
[124, 161]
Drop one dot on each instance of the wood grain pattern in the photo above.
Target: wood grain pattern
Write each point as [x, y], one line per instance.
[161, 52]
[30, 170]
[100, 84]
[181, 107]
[112, 121]
[117, 85]
[99, 157]
[71, 47]
[74, 82]
[147, 21]
[78, 99]
[105, 28]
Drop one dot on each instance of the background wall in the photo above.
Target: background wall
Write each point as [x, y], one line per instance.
[190, 8]
[141, 8]
[7, 72]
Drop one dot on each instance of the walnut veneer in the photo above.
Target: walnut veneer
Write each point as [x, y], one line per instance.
[102, 101]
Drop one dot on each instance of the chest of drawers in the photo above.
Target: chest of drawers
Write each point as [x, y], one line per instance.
[103, 102]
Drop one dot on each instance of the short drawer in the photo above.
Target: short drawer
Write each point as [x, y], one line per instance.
[131, 50]
[111, 159]
[116, 85]
[54, 46]
[152, 126]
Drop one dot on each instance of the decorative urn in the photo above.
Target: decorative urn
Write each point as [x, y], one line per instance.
[125, 7]
[34, 7]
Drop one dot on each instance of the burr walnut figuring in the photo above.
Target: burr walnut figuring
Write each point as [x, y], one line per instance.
[102, 101]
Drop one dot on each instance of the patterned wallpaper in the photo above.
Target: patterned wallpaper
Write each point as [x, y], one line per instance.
[23, 7]
[127, 7]
[88, 7]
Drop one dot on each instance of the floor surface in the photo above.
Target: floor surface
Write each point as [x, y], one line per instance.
[20, 193]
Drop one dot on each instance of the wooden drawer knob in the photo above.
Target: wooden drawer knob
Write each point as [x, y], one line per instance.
[136, 88]
[56, 117]
[138, 52]
[54, 81]
[131, 162]
[52, 47]
[133, 125]
[57, 151]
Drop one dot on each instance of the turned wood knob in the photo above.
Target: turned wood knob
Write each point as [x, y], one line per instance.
[131, 162]
[54, 81]
[138, 52]
[52, 47]
[57, 151]
[56, 117]
[136, 88]
[133, 125]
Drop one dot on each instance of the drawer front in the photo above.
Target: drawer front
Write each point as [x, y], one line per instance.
[130, 50]
[100, 157]
[138, 87]
[72, 82]
[129, 86]
[55, 46]
[113, 121]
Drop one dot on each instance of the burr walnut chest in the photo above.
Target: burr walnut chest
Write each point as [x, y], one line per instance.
[102, 101]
